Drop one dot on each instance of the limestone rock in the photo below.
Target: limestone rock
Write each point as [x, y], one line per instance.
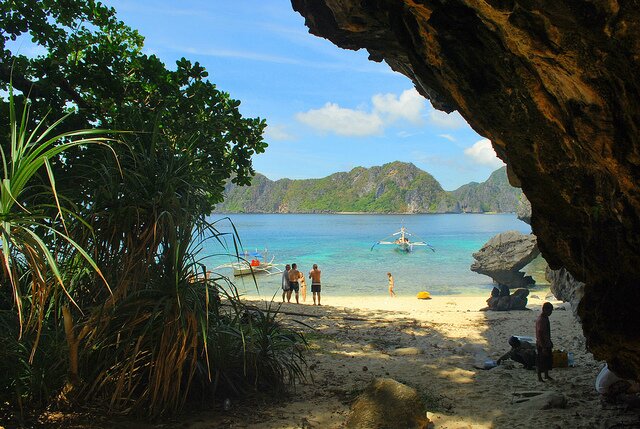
[523, 210]
[516, 301]
[387, 404]
[554, 86]
[565, 287]
[502, 257]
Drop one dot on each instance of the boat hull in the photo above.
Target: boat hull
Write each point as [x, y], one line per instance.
[246, 270]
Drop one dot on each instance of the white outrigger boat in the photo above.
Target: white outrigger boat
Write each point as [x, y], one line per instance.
[401, 240]
[253, 263]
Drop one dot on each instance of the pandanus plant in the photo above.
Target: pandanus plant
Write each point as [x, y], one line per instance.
[32, 220]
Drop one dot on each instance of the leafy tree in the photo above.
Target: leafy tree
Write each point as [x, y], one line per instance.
[93, 63]
[143, 344]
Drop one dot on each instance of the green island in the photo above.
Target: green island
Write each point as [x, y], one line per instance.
[396, 187]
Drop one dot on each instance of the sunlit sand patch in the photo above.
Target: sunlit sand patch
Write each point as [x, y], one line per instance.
[360, 354]
[458, 375]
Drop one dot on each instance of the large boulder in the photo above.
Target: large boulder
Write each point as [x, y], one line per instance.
[387, 404]
[555, 86]
[502, 258]
[515, 301]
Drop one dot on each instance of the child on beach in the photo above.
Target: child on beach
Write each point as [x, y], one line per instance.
[391, 284]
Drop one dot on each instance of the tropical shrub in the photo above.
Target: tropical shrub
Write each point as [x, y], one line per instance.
[146, 333]
[32, 284]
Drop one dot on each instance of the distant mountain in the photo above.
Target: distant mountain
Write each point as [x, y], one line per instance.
[396, 187]
[494, 195]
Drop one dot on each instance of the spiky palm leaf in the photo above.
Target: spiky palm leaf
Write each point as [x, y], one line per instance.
[26, 156]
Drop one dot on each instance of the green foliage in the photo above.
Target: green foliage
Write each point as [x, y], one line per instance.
[27, 378]
[160, 335]
[33, 364]
[92, 63]
[24, 251]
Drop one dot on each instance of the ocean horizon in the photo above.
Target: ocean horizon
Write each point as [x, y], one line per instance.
[341, 245]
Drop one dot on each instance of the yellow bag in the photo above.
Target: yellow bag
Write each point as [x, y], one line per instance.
[560, 359]
[423, 295]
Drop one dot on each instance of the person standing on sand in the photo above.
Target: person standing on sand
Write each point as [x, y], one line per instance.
[294, 275]
[314, 275]
[544, 345]
[391, 284]
[303, 287]
[285, 282]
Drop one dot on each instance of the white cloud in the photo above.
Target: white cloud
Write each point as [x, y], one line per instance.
[341, 121]
[386, 109]
[482, 153]
[448, 137]
[406, 134]
[277, 133]
[408, 105]
[230, 53]
[446, 120]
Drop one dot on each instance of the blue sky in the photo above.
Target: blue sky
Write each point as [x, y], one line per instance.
[327, 109]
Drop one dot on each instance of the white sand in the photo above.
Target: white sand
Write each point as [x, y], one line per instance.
[355, 339]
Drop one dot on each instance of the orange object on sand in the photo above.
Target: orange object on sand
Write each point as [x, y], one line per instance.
[255, 262]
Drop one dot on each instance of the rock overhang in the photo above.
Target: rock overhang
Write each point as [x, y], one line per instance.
[554, 86]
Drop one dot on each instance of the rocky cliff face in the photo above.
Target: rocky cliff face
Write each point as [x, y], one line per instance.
[555, 87]
[396, 187]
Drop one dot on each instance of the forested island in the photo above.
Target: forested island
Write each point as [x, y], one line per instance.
[396, 187]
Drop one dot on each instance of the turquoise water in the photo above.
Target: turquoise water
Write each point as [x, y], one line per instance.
[340, 245]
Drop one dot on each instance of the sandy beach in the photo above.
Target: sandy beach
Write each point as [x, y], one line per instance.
[438, 347]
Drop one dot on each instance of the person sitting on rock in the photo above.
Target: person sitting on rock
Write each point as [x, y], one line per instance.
[521, 351]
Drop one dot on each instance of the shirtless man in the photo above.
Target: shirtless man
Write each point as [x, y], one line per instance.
[314, 275]
[294, 274]
[391, 284]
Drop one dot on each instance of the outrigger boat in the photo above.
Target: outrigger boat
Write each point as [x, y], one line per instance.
[253, 263]
[401, 240]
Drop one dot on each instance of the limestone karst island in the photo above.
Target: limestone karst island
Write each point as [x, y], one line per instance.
[319, 214]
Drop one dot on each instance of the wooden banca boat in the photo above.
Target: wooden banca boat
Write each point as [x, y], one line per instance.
[253, 263]
[402, 241]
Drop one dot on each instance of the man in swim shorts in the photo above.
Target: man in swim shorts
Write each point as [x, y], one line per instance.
[391, 285]
[293, 282]
[285, 282]
[314, 275]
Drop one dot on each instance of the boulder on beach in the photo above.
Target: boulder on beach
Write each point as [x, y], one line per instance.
[386, 403]
[499, 302]
[504, 255]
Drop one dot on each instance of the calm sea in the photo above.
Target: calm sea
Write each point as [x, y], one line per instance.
[341, 246]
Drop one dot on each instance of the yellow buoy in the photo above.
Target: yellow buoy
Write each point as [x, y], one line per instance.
[423, 295]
